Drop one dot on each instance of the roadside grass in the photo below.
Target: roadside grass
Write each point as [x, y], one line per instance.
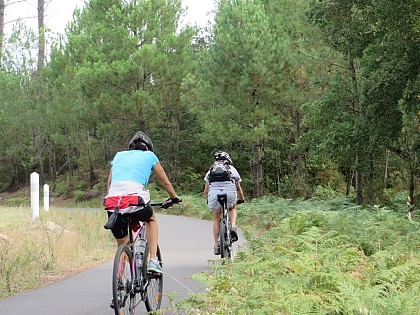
[60, 243]
[316, 257]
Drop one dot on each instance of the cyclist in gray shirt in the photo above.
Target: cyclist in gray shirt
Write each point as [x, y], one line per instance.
[223, 178]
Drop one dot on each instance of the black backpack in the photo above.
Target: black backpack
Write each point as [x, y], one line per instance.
[220, 172]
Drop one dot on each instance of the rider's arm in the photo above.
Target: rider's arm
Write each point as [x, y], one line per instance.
[163, 180]
[206, 190]
[239, 191]
[238, 180]
[109, 179]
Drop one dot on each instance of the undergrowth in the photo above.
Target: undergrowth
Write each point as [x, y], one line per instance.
[316, 257]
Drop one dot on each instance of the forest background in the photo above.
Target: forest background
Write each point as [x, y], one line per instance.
[310, 98]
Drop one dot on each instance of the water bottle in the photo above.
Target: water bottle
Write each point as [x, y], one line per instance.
[140, 246]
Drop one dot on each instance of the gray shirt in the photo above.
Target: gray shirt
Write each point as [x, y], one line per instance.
[228, 185]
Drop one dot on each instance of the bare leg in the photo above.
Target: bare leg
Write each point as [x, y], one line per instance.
[124, 240]
[232, 215]
[152, 236]
[216, 225]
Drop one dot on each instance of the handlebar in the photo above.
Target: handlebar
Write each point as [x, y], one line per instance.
[156, 204]
[165, 204]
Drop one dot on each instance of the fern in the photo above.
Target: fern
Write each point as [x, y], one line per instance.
[316, 240]
[305, 304]
[317, 257]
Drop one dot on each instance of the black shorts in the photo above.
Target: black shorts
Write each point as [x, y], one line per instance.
[120, 230]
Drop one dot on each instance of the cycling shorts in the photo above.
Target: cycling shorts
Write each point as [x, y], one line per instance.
[214, 204]
[120, 230]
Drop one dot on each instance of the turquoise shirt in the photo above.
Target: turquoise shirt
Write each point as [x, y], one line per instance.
[135, 166]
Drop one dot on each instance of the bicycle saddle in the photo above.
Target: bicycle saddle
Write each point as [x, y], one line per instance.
[222, 198]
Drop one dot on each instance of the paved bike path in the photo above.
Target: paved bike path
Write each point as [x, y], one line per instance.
[187, 248]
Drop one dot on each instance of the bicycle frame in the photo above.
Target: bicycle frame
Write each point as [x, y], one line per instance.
[141, 280]
[225, 238]
[138, 281]
[137, 284]
[137, 275]
[128, 280]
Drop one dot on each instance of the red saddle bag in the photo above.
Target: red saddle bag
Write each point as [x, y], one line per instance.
[122, 202]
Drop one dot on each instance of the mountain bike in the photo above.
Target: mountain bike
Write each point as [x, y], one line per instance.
[131, 282]
[225, 238]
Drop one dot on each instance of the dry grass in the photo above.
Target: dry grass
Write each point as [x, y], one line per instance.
[60, 243]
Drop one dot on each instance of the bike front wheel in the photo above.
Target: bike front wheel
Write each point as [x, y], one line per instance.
[154, 287]
[122, 295]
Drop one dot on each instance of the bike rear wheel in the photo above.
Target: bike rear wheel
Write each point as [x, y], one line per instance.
[224, 239]
[123, 299]
[154, 289]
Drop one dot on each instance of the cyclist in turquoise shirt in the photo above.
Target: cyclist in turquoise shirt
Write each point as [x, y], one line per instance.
[129, 175]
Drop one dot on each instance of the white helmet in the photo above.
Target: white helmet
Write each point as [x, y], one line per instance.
[222, 156]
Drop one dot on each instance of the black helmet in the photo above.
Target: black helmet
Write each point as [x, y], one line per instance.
[222, 156]
[140, 141]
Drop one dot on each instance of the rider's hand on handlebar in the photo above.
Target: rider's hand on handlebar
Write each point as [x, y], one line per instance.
[170, 202]
[240, 201]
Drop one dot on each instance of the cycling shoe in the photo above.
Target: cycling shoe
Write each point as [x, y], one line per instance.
[234, 234]
[216, 250]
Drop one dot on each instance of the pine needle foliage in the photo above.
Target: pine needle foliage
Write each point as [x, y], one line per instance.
[316, 257]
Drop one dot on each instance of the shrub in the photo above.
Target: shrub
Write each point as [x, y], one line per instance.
[18, 202]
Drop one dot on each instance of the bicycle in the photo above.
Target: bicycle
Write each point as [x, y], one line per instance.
[130, 277]
[225, 238]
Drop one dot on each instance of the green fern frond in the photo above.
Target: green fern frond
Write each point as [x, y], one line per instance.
[317, 240]
[344, 258]
[305, 304]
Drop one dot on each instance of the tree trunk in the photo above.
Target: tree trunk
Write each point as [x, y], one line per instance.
[349, 181]
[41, 36]
[411, 187]
[359, 188]
[38, 153]
[387, 152]
[2, 6]
[52, 162]
[298, 120]
[257, 171]
[411, 206]
[278, 174]
[92, 175]
[356, 104]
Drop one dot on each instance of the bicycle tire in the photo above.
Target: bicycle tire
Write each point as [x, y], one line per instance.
[123, 300]
[154, 290]
[230, 247]
[222, 240]
[229, 239]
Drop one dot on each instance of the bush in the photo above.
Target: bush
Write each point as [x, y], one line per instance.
[82, 196]
[325, 193]
[18, 202]
[62, 189]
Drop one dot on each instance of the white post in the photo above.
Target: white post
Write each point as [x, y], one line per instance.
[35, 195]
[46, 198]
